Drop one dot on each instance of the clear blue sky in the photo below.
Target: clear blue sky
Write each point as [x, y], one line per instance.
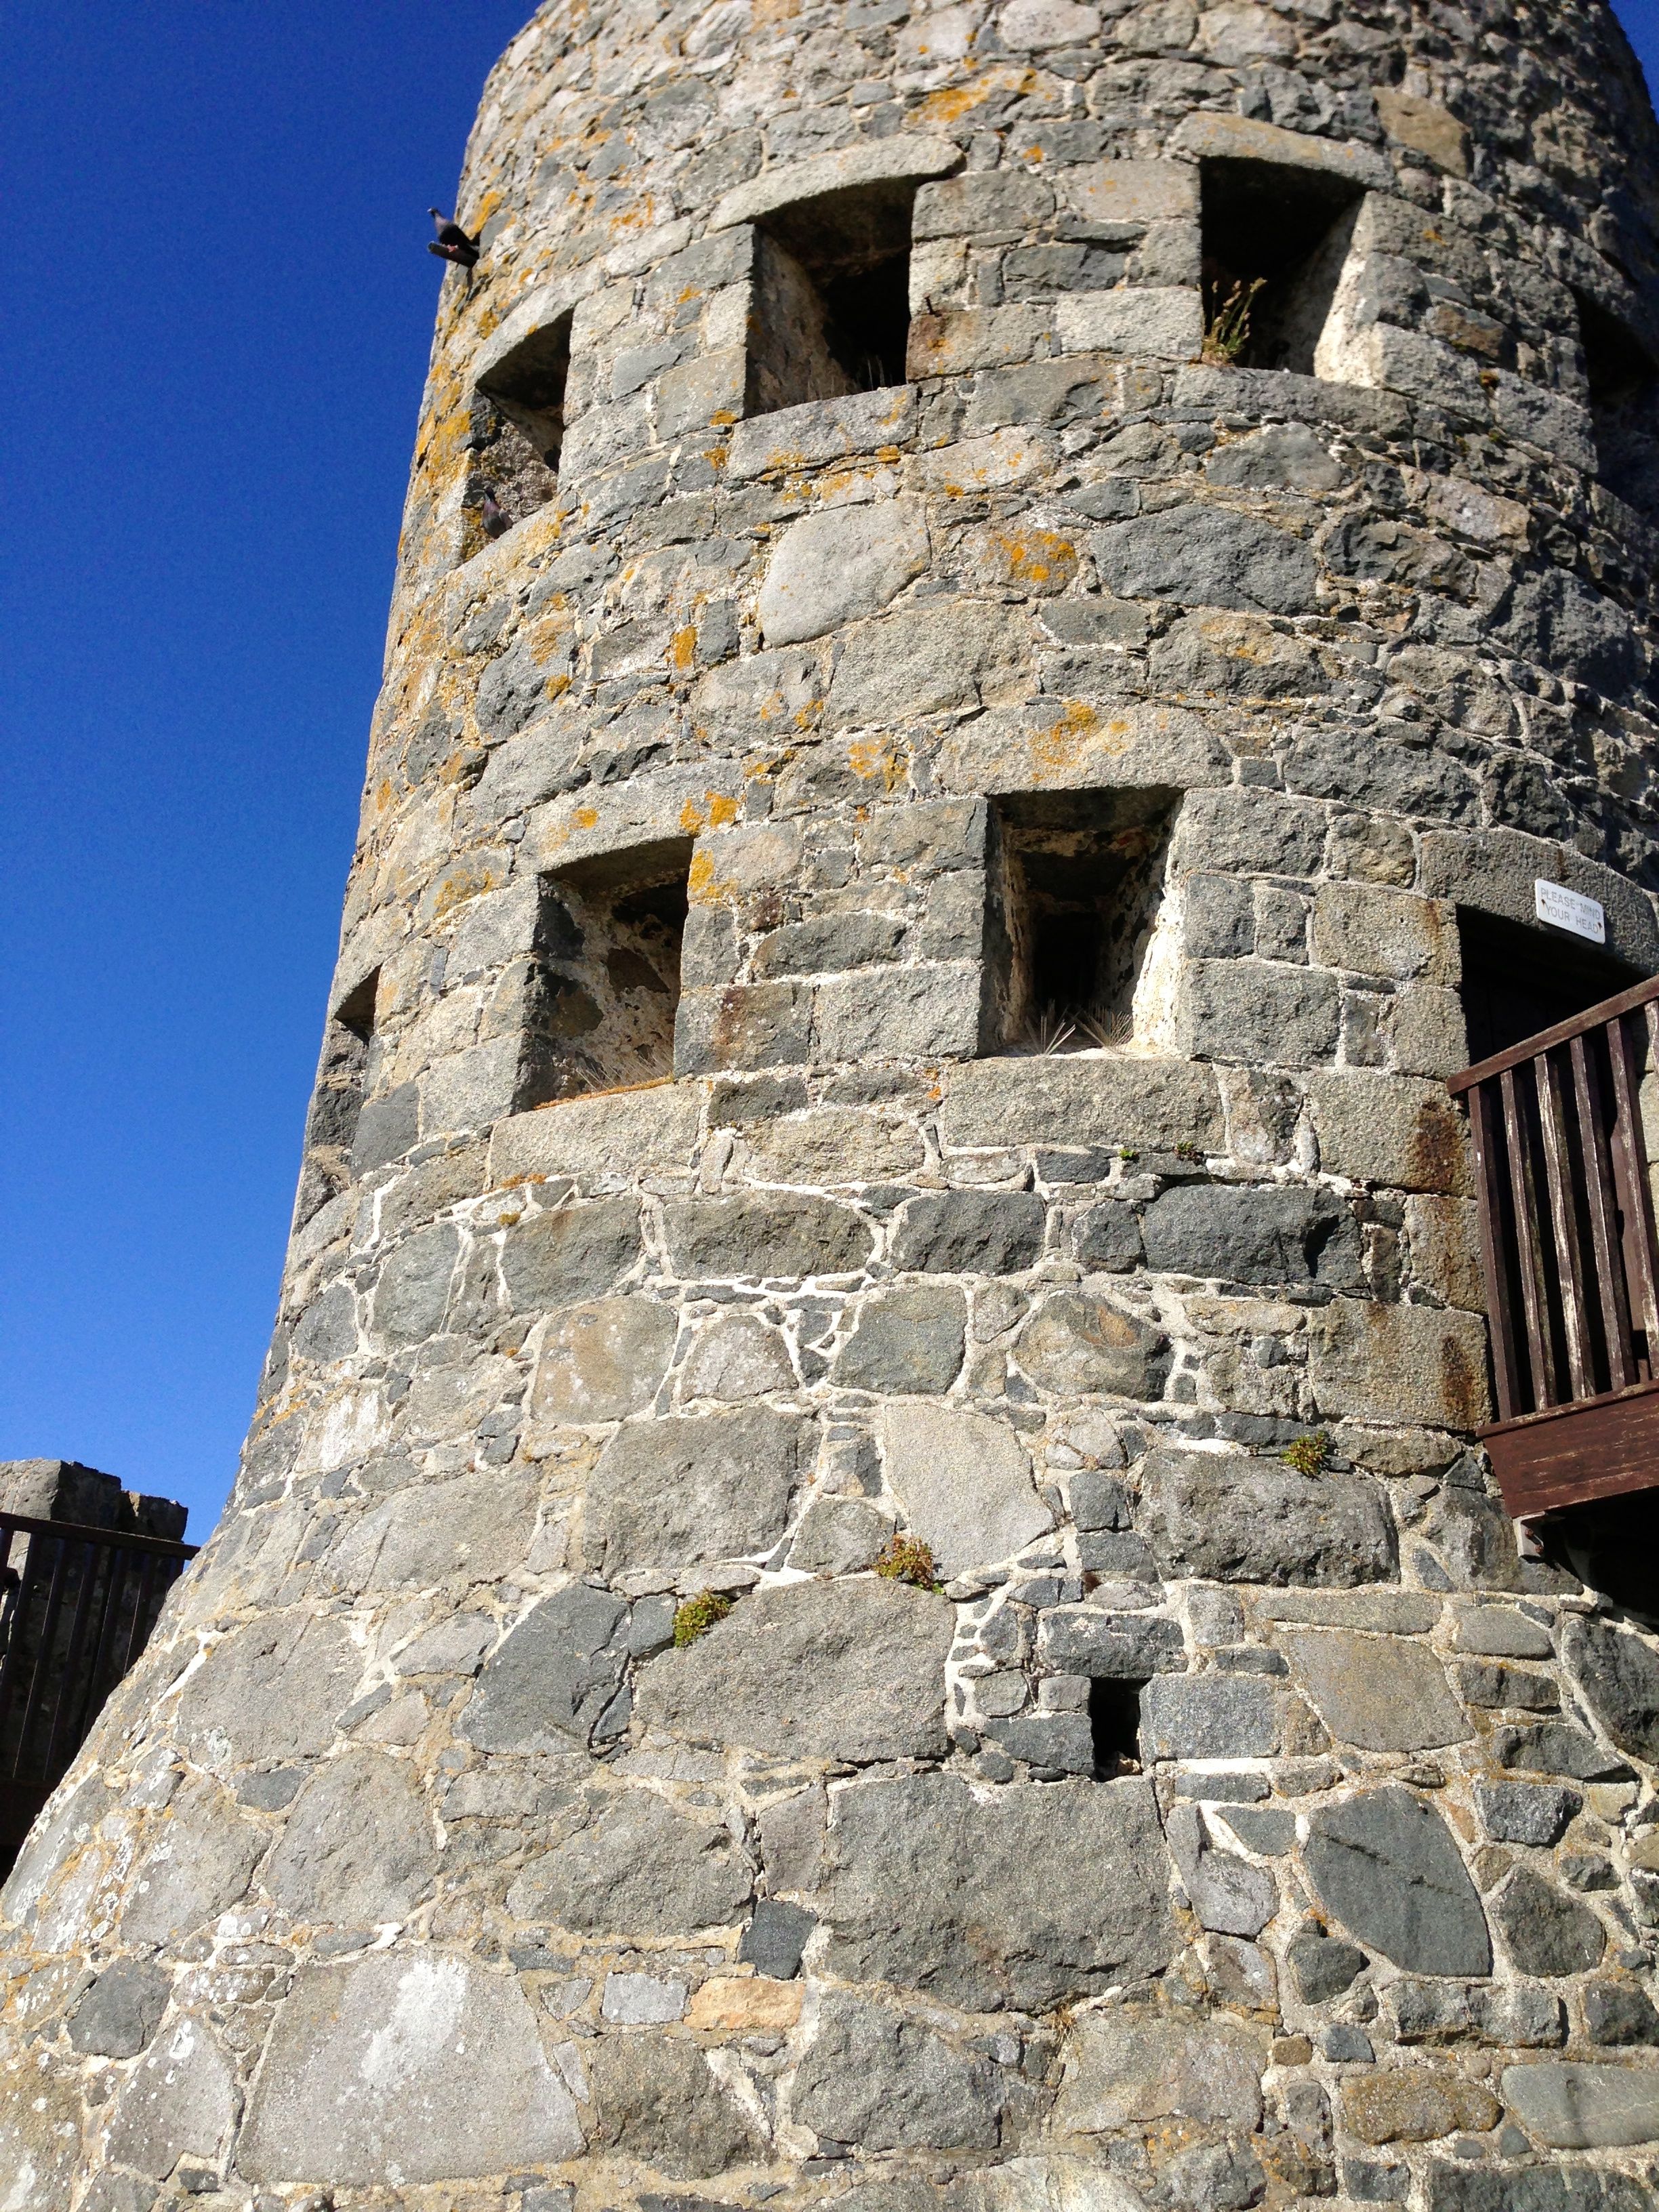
[219, 307]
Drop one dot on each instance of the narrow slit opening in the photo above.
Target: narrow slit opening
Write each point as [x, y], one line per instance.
[1115, 1727]
[603, 986]
[344, 1075]
[1076, 881]
[517, 433]
[1623, 403]
[1274, 240]
[831, 297]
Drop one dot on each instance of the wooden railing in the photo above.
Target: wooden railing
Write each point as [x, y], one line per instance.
[77, 1607]
[1568, 1254]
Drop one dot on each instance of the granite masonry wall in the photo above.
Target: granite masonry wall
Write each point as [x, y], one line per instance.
[903, 950]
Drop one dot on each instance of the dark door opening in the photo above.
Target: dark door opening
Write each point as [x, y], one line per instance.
[1520, 978]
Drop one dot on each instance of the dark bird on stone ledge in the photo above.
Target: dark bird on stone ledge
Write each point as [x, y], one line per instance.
[452, 243]
[495, 519]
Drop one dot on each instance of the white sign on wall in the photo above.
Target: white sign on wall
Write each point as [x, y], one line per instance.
[1566, 909]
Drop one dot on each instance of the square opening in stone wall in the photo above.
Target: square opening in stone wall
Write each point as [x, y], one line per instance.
[1115, 1727]
[1074, 882]
[603, 984]
[516, 433]
[1624, 399]
[1520, 978]
[831, 310]
[337, 1102]
[1274, 240]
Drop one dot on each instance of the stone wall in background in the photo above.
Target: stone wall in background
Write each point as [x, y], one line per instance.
[1211, 1827]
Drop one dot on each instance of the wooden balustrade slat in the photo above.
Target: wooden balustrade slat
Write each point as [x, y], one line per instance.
[1555, 1129]
[1630, 1181]
[1534, 1306]
[1488, 1183]
[1597, 1171]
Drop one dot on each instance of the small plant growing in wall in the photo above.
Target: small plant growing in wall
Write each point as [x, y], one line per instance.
[1309, 1455]
[698, 1615]
[907, 1559]
[1227, 331]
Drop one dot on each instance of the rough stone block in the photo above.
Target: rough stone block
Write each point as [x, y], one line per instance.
[958, 1232]
[1077, 1344]
[1379, 1692]
[1230, 1519]
[357, 1849]
[1388, 1129]
[840, 565]
[1269, 1015]
[1367, 1361]
[659, 2101]
[688, 1488]
[1139, 1103]
[908, 1341]
[1209, 1717]
[1031, 1896]
[603, 1360]
[923, 1012]
[1208, 556]
[423, 2067]
[1165, 323]
[1130, 192]
[1385, 1865]
[122, 2010]
[549, 1684]
[636, 1866]
[1585, 2107]
[965, 1485]
[1083, 1639]
[853, 1669]
[1257, 1233]
[762, 1237]
[572, 1252]
[1132, 2065]
[871, 2076]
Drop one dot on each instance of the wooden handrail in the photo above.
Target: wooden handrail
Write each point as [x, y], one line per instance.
[1607, 1009]
[129, 1539]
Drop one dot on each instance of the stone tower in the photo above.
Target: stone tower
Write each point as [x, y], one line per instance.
[1001, 607]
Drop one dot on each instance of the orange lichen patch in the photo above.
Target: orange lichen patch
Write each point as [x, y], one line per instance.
[731, 2002]
[873, 757]
[722, 809]
[588, 817]
[683, 648]
[773, 11]
[468, 879]
[958, 100]
[700, 879]
[1076, 725]
[1039, 559]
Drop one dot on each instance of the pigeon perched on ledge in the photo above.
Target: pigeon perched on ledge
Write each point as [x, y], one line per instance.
[452, 243]
[496, 518]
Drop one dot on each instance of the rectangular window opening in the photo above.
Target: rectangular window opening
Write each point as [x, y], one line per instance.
[1075, 883]
[1624, 402]
[831, 296]
[337, 1102]
[1520, 978]
[1274, 241]
[517, 433]
[1115, 1727]
[604, 979]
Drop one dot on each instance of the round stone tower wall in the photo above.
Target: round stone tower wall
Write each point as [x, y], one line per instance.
[862, 1577]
